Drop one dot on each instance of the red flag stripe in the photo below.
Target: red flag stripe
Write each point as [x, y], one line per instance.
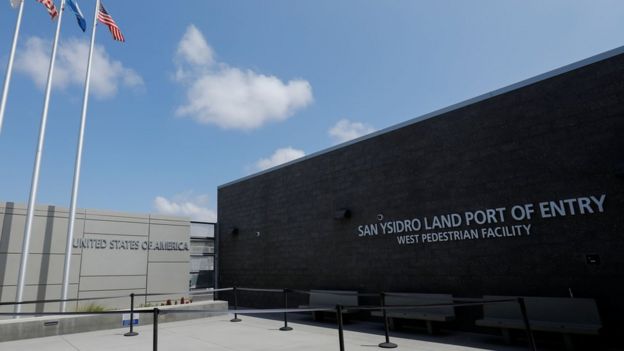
[107, 20]
[50, 6]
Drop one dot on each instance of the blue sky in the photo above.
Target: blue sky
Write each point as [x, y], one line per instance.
[205, 92]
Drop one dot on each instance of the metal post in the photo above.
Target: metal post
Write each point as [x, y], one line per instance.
[215, 265]
[9, 71]
[76, 181]
[527, 325]
[340, 327]
[32, 199]
[387, 344]
[285, 327]
[131, 332]
[235, 319]
[155, 341]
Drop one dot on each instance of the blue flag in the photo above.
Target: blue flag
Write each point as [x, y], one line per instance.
[81, 20]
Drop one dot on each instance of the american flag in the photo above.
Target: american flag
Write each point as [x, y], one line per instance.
[50, 6]
[106, 19]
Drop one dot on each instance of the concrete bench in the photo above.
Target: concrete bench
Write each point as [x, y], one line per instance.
[331, 298]
[563, 315]
[427, 314]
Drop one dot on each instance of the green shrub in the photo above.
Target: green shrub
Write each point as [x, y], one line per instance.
[92, 307]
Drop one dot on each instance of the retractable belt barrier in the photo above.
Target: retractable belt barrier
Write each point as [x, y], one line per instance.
[260, 290]
[329, 292]
[131, 311]
[338, 309]
[260, 311]
[61, 300]
[70, 313]
[407, 307]
[131, 332]
[192, 293]
[113, 297]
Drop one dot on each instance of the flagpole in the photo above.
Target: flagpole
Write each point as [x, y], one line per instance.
[21, 278]
[74, 196]
[7, 77]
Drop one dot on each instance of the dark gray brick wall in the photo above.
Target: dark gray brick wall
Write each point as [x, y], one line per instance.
[559, 138]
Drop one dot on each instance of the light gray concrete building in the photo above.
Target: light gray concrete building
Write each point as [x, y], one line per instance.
[113, 254]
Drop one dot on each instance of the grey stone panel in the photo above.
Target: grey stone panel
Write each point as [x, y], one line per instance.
[116, 282]
[102, 271]
[49, 233]
[168, 277]
[42, 269]
[168, 220]
[100, 222]
[119, 298]
[40, 210]
[50, 236]
[177, 233]
[116, 216]
[117, 227]
[36, 293]
[106, 261]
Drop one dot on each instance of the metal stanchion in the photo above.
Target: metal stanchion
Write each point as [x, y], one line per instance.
[387, 344]
[285, 327]
[131, 332]
[235, 319]
[155, 342]
[340, 327]
[527, 325]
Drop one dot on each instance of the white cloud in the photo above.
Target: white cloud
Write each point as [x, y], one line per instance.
[230, 97]
[346, 130]
[186, 205]
[107, 75]
[194, 49]
[279, 157]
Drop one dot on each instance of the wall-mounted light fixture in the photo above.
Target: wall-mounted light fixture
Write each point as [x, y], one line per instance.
[233, 230]
[342, 213]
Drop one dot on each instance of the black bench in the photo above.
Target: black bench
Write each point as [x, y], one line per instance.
[563, 315]
[427, 314]
[331, 298]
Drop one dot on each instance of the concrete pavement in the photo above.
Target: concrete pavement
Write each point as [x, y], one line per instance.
[258, 334]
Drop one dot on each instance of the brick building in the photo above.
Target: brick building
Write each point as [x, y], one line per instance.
[516, 192]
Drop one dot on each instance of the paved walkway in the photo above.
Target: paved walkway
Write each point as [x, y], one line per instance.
[258, 334]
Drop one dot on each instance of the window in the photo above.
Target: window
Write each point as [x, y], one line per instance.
[202, 263]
